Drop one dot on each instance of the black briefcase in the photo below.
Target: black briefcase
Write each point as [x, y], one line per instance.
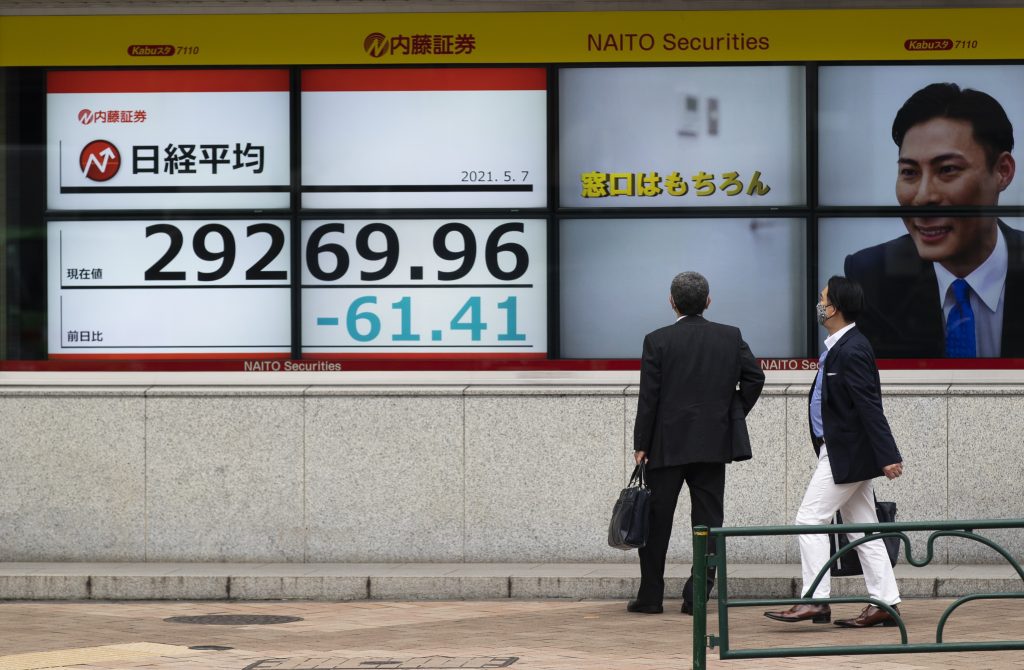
[849, 564]
[630, 522]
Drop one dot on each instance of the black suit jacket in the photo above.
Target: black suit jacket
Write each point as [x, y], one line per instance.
[903, 315]
[857, 435]
[688, 380]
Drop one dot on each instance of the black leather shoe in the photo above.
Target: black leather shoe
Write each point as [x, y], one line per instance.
[687, 608]
[640, 608]
[870, 616]
[816, 613]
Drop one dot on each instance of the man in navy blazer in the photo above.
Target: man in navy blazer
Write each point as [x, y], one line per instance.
[698, 380]
[953, 285]
[853, 445]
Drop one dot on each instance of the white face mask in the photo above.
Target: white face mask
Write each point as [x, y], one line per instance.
[819, 310]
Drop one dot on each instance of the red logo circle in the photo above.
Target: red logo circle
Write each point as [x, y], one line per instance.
[86, 116]
[100, 160]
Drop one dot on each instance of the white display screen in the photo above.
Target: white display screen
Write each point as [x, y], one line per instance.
[444, 287]
[424, 138]
[682, 136]
[167, 139]
[857, 104]
[615, 276]
[168, 287]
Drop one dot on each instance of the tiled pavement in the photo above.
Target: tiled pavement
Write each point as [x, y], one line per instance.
[518, 634]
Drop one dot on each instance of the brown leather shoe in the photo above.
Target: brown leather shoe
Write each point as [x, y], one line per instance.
[816, 613]
[869, 616]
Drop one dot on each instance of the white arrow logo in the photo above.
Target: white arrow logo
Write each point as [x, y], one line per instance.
[107, 154]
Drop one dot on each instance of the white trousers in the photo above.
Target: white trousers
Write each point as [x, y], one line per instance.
[856, 501]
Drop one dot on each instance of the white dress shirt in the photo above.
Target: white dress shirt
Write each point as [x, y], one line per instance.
[988, 286]
[831, 340]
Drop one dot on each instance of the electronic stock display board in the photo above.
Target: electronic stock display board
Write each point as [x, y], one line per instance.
[219, 140]
[171, 140]
[424, 139]
[429, 187]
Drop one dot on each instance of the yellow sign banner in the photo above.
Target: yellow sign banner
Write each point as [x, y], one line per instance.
[514, 37]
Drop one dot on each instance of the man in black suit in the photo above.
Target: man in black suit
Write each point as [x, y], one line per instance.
[953, 286]
[853, 443]
[697, 379]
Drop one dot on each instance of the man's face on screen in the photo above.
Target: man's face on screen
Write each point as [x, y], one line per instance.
[941, 164]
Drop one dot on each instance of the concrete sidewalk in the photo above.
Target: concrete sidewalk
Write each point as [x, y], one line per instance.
[536, 634]
[441, 581]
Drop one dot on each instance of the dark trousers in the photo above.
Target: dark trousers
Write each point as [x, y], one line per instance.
[706, 482]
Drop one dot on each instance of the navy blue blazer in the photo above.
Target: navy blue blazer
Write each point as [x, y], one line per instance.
[857, 434]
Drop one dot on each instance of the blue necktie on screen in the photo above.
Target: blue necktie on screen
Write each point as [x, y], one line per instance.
[960, 339]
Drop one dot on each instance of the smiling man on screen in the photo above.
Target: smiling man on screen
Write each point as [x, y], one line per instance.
[954, 285]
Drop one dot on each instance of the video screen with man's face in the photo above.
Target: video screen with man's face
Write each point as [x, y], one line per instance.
[857, 104]
[925, 138]
[913, 309]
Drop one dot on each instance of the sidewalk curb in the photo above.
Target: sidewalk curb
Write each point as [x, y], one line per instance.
[429, 581]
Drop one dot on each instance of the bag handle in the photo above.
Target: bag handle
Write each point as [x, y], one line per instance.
[638, 474]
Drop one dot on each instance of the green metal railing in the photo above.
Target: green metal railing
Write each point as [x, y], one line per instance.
[702, 561]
